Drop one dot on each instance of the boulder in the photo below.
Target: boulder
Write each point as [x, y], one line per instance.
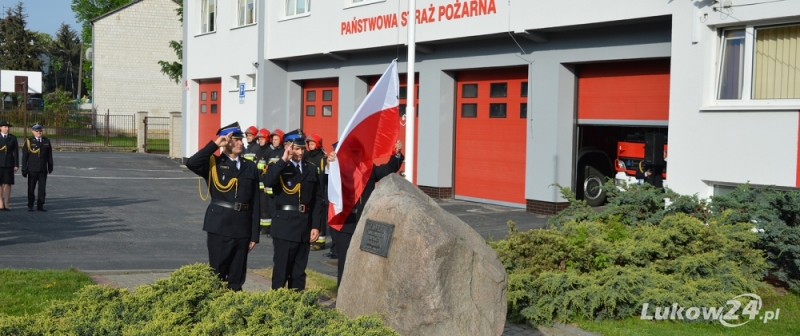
[439, 277]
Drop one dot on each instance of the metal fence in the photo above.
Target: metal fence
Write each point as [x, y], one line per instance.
[156, 134]
[79, 129]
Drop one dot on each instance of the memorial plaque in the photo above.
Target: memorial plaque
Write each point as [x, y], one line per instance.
[377, 238]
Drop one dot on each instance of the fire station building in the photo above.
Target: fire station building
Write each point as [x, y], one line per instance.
[517, 95]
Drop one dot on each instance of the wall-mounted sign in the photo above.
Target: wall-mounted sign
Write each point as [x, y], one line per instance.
[452, 11]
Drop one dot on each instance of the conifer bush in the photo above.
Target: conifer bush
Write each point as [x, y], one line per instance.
[694, 252]
[192, 301]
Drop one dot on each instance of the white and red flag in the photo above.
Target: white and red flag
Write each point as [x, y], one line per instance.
[370, 134]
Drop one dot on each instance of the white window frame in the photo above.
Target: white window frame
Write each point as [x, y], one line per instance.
[294, 14]
[746, 103]
[240, 6]
[204, 5]
[359, 3]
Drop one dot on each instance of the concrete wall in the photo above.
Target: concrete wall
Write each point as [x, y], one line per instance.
[127, 47]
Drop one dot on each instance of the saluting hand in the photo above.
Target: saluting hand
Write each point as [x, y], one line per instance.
[287, 153]
[222, 141]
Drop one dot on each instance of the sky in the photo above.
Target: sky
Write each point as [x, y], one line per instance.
[45, 15]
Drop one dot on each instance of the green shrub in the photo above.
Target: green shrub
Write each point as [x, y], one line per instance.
[192, 301]
[605, 268]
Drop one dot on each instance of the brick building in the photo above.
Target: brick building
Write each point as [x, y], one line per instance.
[128, 42]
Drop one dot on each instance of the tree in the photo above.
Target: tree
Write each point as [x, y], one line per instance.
[85, 11]
[18, 49]
[174, 70]
[67, 49]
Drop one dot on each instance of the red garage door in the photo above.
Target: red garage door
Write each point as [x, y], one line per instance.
[321, 110]
[209, 111]
[401, 135]
[491, 114]
[624, 93]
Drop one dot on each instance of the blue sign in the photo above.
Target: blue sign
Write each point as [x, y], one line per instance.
[241, 90]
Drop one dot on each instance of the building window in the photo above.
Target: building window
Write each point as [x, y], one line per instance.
[327, 110]
[311, 110]
[247, 12]
[297, 7]
[203, 95]
[311, 95]
[214, 108]
[251, 81]
[776, 60]
[327, 95]
[523, 110]
[523, 89]
[234, 83]
[208, 10]
[213, 95]
[730, 75]
[203, 108]
[758, 64]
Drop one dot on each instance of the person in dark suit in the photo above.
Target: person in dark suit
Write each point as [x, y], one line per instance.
[295, 223]
[232, 219]
[37, 163]
[343, 236]
[9, 163]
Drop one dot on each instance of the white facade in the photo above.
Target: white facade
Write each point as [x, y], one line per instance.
[711, 142]
[127, 44]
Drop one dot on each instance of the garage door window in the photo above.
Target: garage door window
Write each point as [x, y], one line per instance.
[469, 110]
[523, 110]
[499, 90]
[311, 110]
[469, 91]
[497, 110]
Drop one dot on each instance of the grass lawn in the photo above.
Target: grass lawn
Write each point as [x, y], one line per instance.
[30, 291]
[788, 322]
[313, 280]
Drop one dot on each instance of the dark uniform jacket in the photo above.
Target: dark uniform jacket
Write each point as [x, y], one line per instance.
[37, 162]
[293, 225]
[319, 159]
[378, 172]
[221, 220]
[9, 154]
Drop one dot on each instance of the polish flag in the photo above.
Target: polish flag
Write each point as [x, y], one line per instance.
[370, 134]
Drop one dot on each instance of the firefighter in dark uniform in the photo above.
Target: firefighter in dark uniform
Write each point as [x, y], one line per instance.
[37, 163]
[295, 223]
[261, 157]
[343, 236]
[273, 155]
[316, 156]
[232, 218]
[9, 163]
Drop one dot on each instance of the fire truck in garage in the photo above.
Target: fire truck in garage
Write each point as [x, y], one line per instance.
[611, 152]
[618, 104]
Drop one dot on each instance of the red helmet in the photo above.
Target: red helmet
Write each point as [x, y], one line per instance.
[263, 133]
[316, 138]
[279, 133]
[251, 130]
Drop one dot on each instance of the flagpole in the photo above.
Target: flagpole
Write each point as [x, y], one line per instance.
[411, 92]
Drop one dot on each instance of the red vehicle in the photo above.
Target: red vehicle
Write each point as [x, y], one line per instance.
[609, 152]
[630, 157]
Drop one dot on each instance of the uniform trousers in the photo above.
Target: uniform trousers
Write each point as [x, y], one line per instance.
[33, 178]
[342, 240]
[228, 257]
[290, 260]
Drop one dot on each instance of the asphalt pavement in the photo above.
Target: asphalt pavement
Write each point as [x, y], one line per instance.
[124, 211]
